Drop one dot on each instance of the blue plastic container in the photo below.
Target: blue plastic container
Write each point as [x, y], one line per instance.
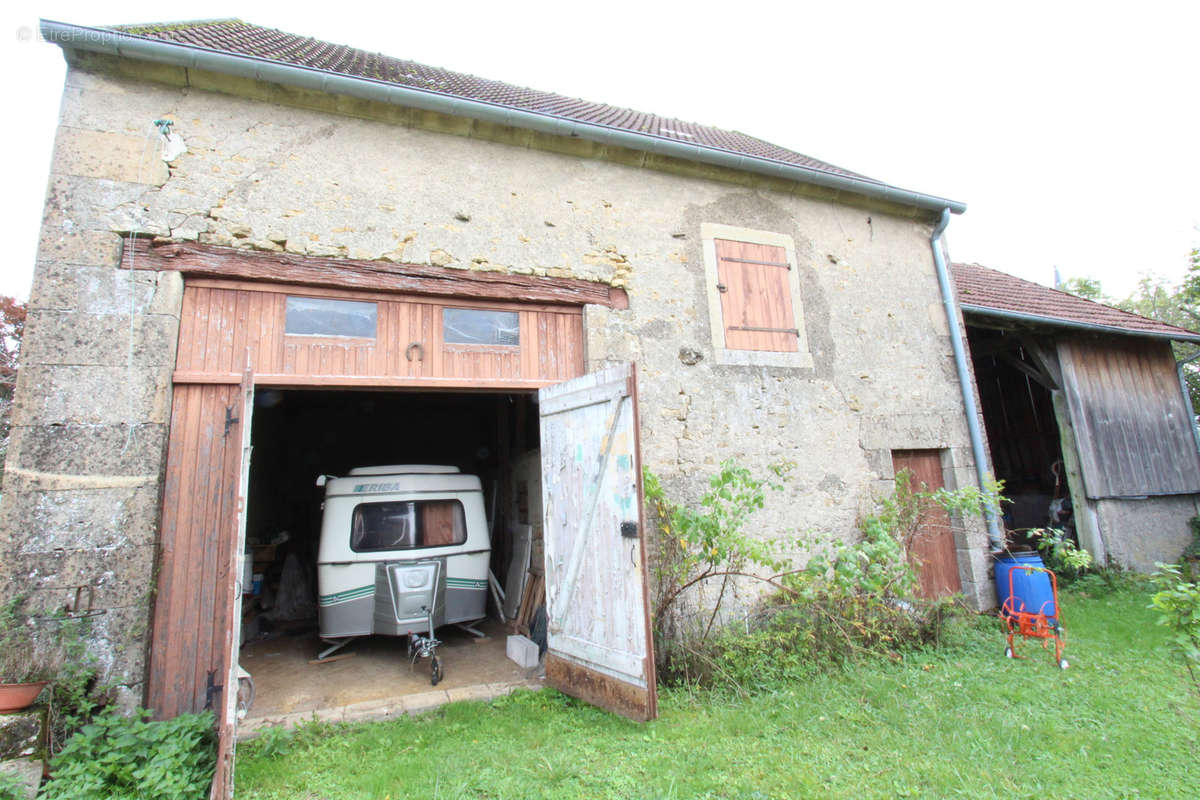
[1032, 590]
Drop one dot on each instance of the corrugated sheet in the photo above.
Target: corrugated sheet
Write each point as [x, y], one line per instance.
[1131, 423]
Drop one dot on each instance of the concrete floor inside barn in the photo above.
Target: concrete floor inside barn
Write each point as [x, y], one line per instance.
[375, 680]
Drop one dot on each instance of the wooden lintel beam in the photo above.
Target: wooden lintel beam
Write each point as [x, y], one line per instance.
[1030, 370]
[207, 260]
[1045, 359]
[365, 382]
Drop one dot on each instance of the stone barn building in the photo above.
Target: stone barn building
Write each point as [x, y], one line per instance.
[266, 258]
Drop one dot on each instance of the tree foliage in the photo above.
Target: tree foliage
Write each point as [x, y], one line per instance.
[12, 329]
[1156, 298]
[1087, 288]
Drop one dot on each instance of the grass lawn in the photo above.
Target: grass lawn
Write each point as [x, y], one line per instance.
[960, 722]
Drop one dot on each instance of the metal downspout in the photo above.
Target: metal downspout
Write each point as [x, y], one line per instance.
[995, 535]
[1187, 396]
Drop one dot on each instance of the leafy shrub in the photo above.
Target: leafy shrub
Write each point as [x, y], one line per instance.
[1191, 553]
[74, 695]
[1060, 554]
[851, 598]
[696, 545]
[51, 647]
[1107, 581]
[116, 757]
[11, 785]
[20, 660]
[1178, 603]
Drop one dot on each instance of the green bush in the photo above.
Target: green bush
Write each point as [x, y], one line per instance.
[697, 545]
[116, 757]
[1060, 554]
[851, 598]
[1178, 604]
[11, 786]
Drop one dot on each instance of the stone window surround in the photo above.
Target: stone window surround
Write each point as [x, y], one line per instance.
[709, 232]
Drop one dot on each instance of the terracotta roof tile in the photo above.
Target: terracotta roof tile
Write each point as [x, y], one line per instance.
[240, 38]
[991, 289]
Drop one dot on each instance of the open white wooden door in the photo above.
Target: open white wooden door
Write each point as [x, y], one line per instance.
[599, 638]
[222, 786]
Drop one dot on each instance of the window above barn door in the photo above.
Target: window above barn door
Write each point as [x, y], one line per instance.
[753, 287]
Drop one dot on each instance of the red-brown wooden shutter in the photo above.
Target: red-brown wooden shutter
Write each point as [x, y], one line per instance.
[756, 297]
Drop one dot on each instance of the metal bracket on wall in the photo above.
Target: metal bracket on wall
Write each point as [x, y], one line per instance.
[77, 606]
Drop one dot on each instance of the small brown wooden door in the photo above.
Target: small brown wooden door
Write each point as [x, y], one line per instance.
[600, 646]
[932, 548]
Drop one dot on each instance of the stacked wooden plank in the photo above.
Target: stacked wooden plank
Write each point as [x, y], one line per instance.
[534, 596]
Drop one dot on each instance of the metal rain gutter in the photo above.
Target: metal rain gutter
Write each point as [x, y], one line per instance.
[978, 451]
[1057, 322]
[188, 56]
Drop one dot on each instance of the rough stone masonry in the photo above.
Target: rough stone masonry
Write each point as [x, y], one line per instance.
[277, 169]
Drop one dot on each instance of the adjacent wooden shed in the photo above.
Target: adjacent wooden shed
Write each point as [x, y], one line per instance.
[1087, 421]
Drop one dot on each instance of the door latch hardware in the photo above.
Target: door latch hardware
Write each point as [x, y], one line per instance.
[211, 690]
[230, 420]
[629, 530]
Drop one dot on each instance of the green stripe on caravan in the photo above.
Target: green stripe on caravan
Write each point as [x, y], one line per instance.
[465, 583]
[349, 594]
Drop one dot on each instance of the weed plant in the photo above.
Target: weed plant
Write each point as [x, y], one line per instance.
[11, 786]
[120, 757]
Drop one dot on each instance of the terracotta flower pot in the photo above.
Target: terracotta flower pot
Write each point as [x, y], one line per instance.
[18, 696]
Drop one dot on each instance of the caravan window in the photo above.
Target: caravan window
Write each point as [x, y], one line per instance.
[406, 525]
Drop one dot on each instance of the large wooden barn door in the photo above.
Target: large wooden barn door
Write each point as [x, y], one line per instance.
[222, 785]
[190, 645]
[600, 646]
[932, 547]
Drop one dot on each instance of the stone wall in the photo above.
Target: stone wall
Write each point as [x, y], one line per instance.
[275, 169]
[82, 477]
[1138, 534]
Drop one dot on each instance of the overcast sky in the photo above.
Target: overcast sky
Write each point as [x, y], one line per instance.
[1069, 129]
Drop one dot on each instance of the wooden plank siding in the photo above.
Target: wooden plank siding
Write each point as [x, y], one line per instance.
[599, 641]
[1133, 433]
[230, 328]
[192, 609]
[224, 324]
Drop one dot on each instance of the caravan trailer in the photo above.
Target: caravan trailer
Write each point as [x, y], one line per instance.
[404, 549]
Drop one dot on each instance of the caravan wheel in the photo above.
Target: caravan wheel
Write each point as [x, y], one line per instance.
[435, 671]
